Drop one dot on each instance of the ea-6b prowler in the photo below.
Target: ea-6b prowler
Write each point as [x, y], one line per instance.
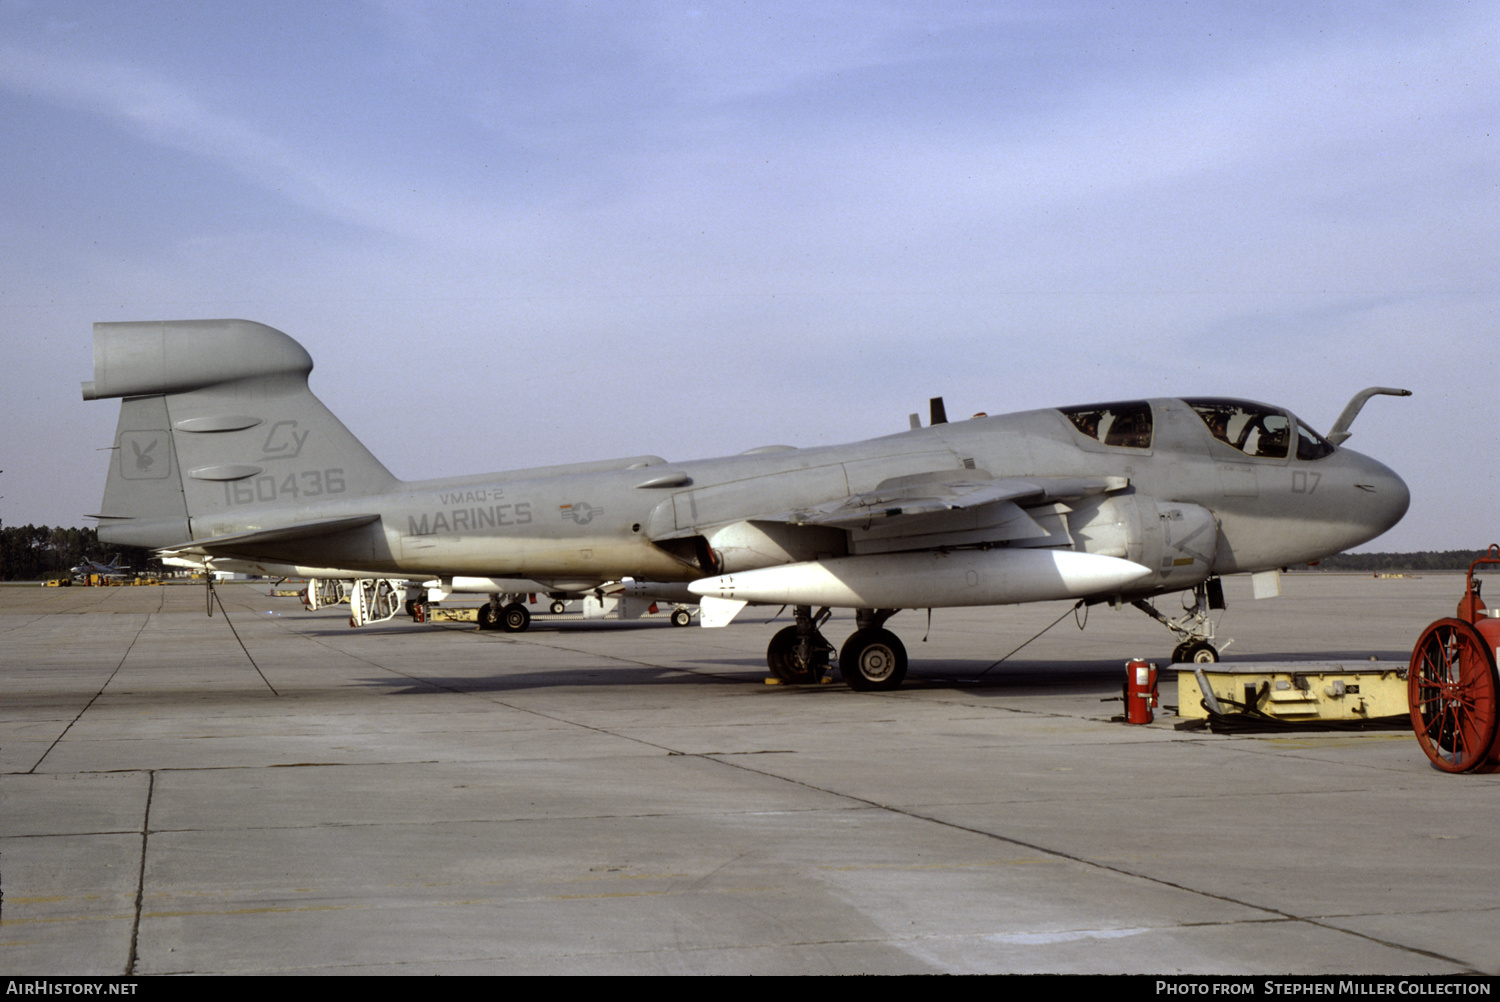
[222, 450]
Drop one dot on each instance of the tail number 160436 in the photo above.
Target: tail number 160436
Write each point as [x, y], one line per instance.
[303, 485]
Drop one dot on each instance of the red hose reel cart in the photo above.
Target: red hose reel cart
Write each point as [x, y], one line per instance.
[1453, 686]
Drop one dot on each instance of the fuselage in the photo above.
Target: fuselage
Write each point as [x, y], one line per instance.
[650, 519]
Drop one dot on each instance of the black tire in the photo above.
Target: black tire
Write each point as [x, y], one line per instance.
[681, 617]
[1201, 653]
[782, 659]
[514, 618]
[1179, 653]
[559, 607]
[488, 618]
[873, 661]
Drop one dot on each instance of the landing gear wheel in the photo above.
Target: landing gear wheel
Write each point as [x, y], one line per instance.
[1200, 653]
[1452, 687]
[1179, 653]
[488, 617]
[873, 660]
[681, 617]
[514, 618]
[559, 607]
[786, 664]
[411, 608]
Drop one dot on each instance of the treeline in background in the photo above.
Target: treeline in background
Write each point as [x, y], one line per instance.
[1423, 560]
[39, 552]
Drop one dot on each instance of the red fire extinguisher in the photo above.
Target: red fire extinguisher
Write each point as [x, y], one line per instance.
[1140, 691]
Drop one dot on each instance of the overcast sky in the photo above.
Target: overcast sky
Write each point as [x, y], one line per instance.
[516, 234]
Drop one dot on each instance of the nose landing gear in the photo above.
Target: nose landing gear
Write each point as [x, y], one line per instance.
[1195, 652]
[1193, 628]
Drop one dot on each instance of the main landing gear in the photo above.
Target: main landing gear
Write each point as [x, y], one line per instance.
[799, 654]
[873, 659]
[512, 617]
[1193, 627]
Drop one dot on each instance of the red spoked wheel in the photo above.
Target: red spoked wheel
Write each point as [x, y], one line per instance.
[1452, 689]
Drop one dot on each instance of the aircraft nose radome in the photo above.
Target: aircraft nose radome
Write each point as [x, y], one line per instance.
[1389, 495]
[1402, 495]
[1400, 499]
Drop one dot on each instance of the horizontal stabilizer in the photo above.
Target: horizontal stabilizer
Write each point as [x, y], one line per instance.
[143, 358]
[214, 545]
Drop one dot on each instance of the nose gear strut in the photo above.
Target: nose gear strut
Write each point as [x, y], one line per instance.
[1194, 628]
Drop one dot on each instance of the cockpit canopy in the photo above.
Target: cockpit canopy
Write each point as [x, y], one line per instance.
[1256, 429]
[1127, 423]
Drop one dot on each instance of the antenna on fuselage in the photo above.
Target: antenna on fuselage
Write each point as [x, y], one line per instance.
[939, 412]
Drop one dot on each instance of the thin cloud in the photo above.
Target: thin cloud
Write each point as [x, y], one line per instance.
[160, 112]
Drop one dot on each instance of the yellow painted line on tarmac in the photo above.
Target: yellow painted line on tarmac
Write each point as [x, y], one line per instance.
[11, 921]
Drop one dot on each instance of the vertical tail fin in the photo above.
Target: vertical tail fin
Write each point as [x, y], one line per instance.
[216, 424]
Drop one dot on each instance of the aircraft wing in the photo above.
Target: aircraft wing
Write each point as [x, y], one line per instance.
[951, 508]
[227, 545]
[935, 494]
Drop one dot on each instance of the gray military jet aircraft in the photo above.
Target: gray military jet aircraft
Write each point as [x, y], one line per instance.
[111, 570]
[222, 450]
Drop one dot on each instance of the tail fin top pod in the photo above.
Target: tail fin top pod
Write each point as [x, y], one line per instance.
[216, 424]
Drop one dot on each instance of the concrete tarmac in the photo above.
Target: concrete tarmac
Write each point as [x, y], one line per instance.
[291, 795]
